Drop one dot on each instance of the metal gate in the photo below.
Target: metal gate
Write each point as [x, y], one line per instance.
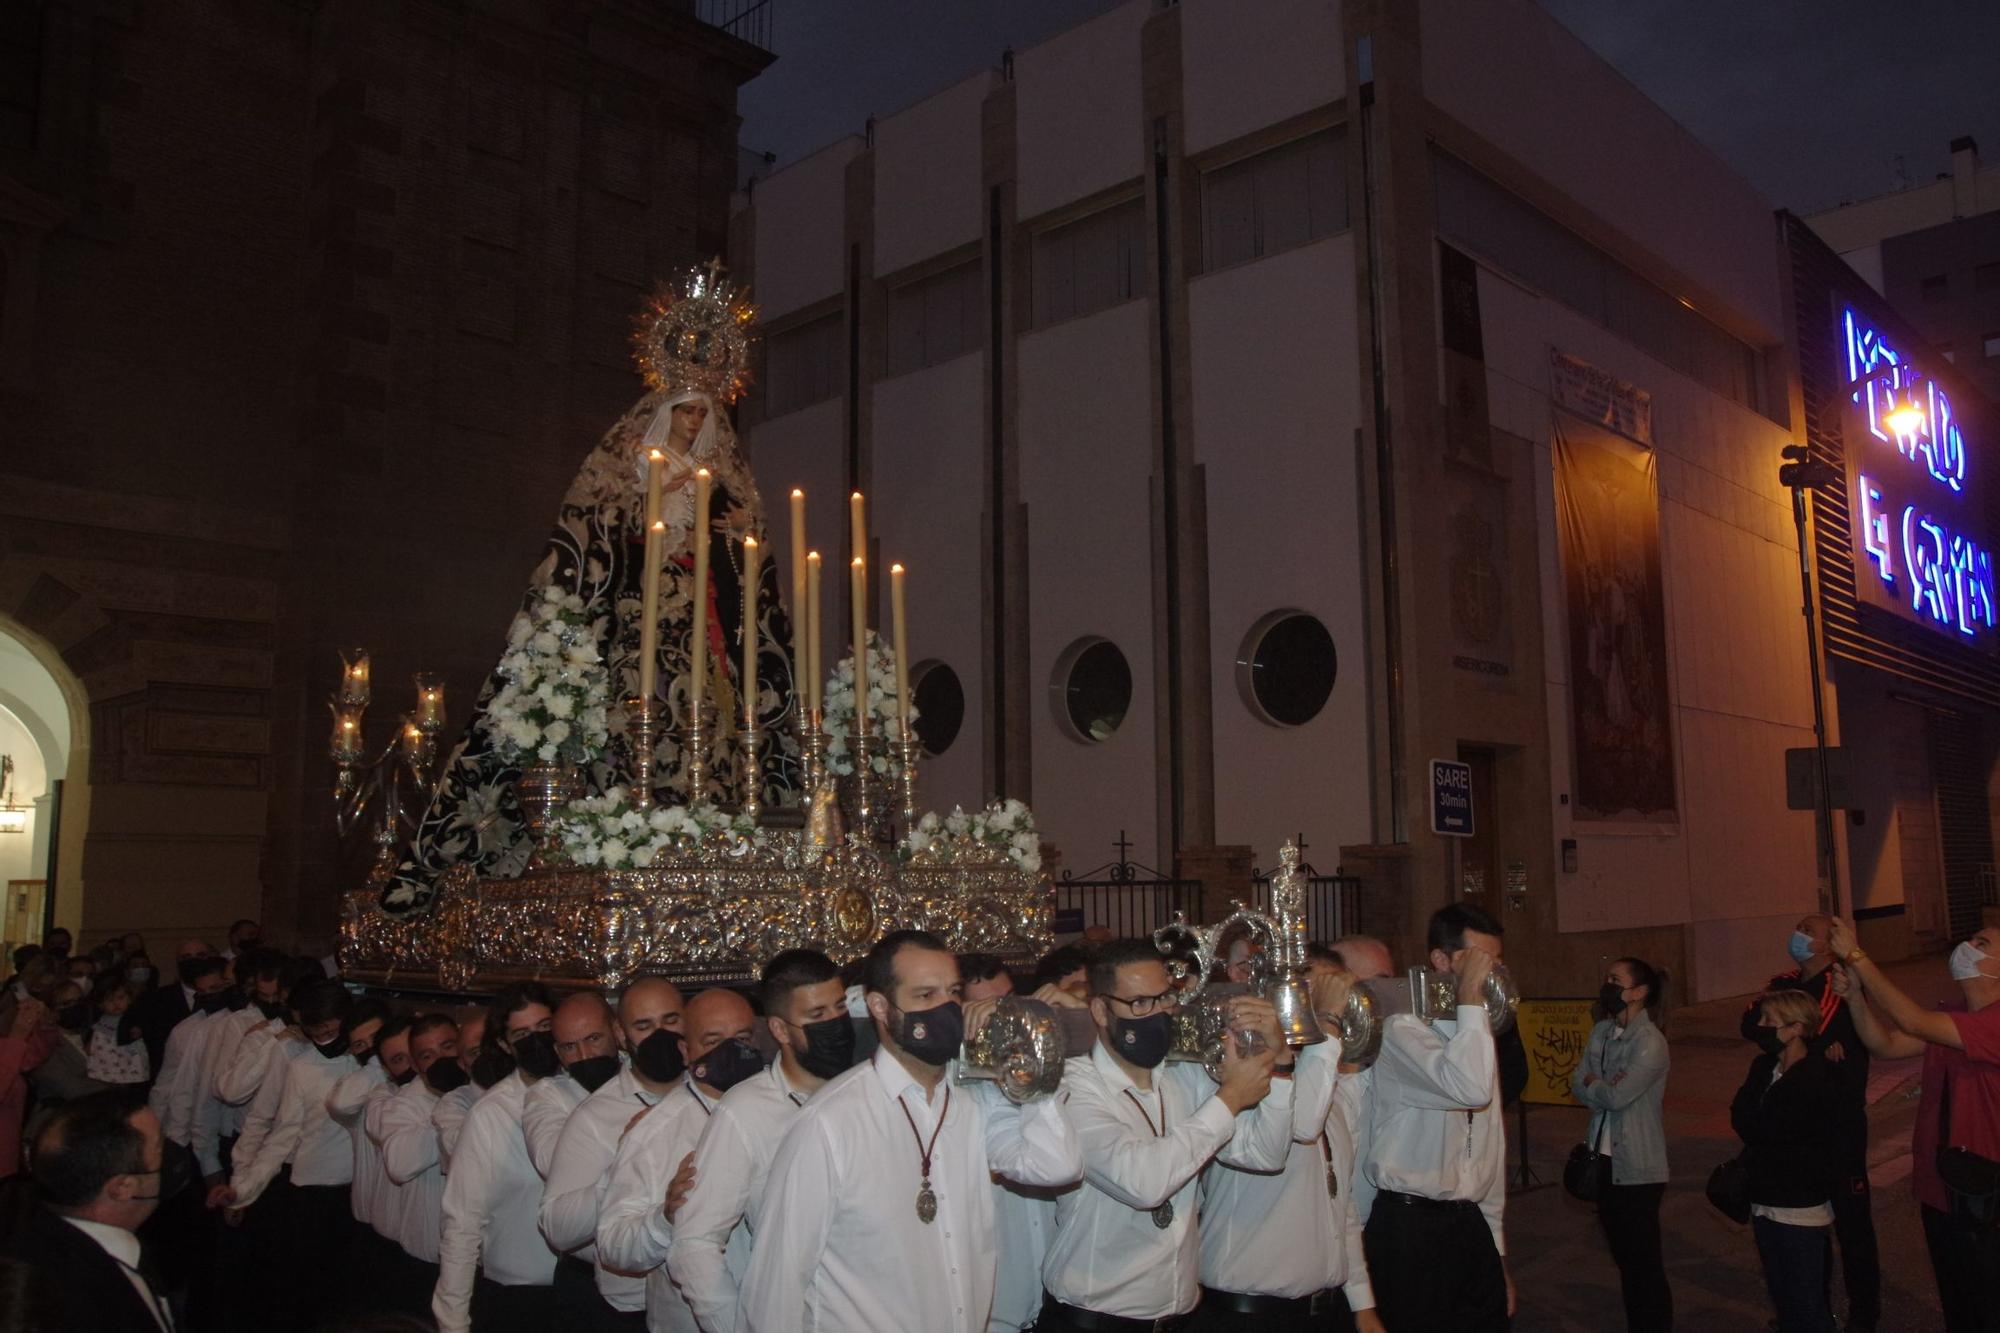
[1965, 829]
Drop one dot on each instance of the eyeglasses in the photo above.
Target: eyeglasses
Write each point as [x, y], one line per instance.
[1142, 1005]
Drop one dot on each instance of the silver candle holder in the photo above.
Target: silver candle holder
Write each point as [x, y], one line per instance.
[867, 809]
[700, 734]
[753, 771]
[907, 751]
[644, 733]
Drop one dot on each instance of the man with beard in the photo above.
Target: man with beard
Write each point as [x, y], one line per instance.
[586, 1034]
[805, 1011]
[593, 1295]
[493, 1268]
[634, 1230]
[400, 1126]
[885, 1163]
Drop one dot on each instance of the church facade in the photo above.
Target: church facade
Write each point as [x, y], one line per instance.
[1270, 400]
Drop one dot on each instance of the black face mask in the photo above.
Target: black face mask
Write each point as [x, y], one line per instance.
[1611, 998]
[728, 1064]
[595, 1072]
[270, 1008]
[1141, 1041]
[332, 1050]
[447, 1075]
[932, 1035]
[176, 1170]
[184, 967]
[402, 1080]
[658, 1058]
[1769, 1040]
[536, 1054]
[829, 1046]
[490, 1066]
[73, 1017]
[212, 1003]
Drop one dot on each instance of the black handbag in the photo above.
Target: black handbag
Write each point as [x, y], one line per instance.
[1973, 1181]
[1729, 1190]
[1586, 1173]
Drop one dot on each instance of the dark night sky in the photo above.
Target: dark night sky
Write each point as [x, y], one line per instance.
[1813, 100]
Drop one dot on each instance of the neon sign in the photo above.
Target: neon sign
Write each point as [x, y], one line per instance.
[1908, 445]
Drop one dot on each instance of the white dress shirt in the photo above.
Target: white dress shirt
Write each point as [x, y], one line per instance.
[578, 1176]
[242, 1072]
[712, 1234]
[1288, 1234]
[262, 1112]
[840, 1247]
[402, 1131]
[1024, 1226]
[172, 1097]
[633, 1234]
[1436, 1129]
[346, 1103]
[491, 1198]
[319, 1148]
[448, 1117]
[215, 1119]
[1142, 1149]
[543, 1115]
[123, 1247]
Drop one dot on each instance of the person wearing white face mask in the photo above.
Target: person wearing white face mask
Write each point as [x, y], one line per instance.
[1955, 1147]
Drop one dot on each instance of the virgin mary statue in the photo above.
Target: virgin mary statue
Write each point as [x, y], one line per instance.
[692, 349]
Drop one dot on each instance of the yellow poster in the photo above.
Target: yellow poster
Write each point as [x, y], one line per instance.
[1555, 1033]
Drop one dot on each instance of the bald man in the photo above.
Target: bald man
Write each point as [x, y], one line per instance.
[648, 1021]
[1365, 956]
[586, 1044]
[635, 1229]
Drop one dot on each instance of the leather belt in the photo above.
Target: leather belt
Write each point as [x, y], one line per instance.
[1090, 1321]
[1243, 1302]
[1419, 1201]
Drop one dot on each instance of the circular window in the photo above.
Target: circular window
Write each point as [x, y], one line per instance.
[1092, 686]
[939, 699]
[1286, 668]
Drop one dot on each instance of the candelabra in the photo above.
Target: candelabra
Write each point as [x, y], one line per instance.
[362, 777]
[700, 731]
[812, 748]
[907, 750]
[643, 734]
[867, 807]
[753, 771]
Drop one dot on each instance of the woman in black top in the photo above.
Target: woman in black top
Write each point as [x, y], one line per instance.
[1783, 1115]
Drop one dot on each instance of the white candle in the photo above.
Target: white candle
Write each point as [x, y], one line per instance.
[812, 635]
[752, 560]
[430, 702]
[857, 516]
[900, 633]
[859, 590]
[649, 627]
[698, 650]
[799, 601]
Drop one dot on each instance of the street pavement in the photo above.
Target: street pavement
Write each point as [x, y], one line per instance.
[1564, 1272]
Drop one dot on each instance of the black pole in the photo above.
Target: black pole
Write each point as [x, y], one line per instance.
[1829, 897]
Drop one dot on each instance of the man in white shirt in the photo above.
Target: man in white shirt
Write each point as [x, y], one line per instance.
[173, 1094]
[383, 1073]
[1437, 1156]
[400, 1127]
[593, 1296]
[317, 1148]
[634, 1228]
[1125, 1247]
[481, 1073]
[260, 976]
[1282, 1253]
[493, 1266]
[805, 1011]
[584, 1035]
[877, 1216]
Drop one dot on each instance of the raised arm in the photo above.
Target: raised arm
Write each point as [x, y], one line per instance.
[1924, 1024]
[1882, 1041]
[571, 1199]
[1420, 1068]
[409, 1141]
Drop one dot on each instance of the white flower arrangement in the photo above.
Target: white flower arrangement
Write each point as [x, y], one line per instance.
[1007, 824]
[608, 831]
[551, 703]
[837, 705]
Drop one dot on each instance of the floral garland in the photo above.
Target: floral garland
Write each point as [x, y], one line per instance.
[608, 831]
[838, 708]
[551, 703]
[1005, 824]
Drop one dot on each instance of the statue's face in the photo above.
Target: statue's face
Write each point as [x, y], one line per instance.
[689, 417]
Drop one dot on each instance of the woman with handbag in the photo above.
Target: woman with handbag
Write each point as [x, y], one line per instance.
[1622, 1164]
[1955, 1148]
[1789, 1156]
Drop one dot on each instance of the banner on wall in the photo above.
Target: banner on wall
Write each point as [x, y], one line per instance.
[1555, 1033]
[1600, 398]
[1608, 519]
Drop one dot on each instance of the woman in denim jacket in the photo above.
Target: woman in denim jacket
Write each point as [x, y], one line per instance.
[1623, 1078]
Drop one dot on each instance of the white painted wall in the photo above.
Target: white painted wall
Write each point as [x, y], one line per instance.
[31, 778]
[1521, 80]
[1738, 858]
[1274, 420]
[1079, 127]
[799, 230]
[927, 175]
[1085, 436]
[1246, 64]
[929, 511]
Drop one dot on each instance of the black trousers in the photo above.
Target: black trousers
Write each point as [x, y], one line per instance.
[500, 1309]
[583, 1305]
[1630, 1216]
[1434, 1266]
[1334, 1317]
[1854, 1232]
[1965, 1259]
[316, 1277]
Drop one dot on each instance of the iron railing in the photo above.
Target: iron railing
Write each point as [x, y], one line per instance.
[1333, 904]
[1127, 905]
[749, 20]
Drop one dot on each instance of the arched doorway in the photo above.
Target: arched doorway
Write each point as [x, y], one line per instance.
[45, 732]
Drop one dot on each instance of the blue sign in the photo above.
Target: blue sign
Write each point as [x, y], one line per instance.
[1451, 798]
